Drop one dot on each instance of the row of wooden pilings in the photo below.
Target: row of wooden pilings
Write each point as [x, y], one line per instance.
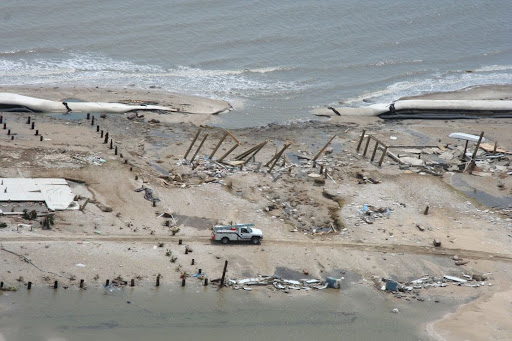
[132, 281]
[29, 121]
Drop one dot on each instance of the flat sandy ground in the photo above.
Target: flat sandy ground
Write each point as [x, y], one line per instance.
[118, 232]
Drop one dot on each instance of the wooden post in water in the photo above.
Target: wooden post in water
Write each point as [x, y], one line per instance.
[193, 141]
[224, 274]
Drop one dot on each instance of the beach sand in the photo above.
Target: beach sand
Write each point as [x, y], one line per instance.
[286, 204]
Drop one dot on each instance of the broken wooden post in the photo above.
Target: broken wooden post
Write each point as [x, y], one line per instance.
[384, 152]
[37, 132]
[199, 271]
[360, 140]
[278, 155]
[111, 143]
[465, 149]
[101, 136]
[437, 243]
[88, 115]
[107, 282]
[193, 261]
[55, 284]
[322, 150]
[180, 242]
[132, 282]
[106, 138]
[472, 163]
[157, 281]
[228, 152]
[97, 128]
[29, 286]
[32, 127]
[28, 120]
[9, 132]
[374, 150]
[1, 285]
[5, 125]
[199, 148]
[1, 119]
[81, 283]
[218, 144]
[12, 137]
[115, 151]
[183, 281]
[253, 154]
[193, 141]
[495, 147]
[426, 210]
[206, 282]
[224, 274]
[92, 121]
[367, 144]
[41, 138]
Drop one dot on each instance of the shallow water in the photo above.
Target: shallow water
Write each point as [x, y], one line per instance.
[196, 313]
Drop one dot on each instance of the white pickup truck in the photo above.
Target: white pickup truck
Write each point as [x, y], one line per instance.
[237, 232]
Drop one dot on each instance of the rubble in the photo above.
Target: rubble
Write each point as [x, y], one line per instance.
[276, 282]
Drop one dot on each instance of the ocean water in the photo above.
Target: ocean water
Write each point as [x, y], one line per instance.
[274, 61]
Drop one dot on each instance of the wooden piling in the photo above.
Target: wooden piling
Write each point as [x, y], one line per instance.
[132, 282]
[183, 281]
[193, 261]
[92, 121]
[115, 151]
[101, 136]
[81, 283]
[495, 147]
[1, 285]
[111, 143]
[55, 284]
[477, 145]
[88, 115]
[218, 144]
[29, 286]
[106, 138]
[41, 138]
[157, 281]
[180, 242]
[199, 148]
[28, 120]
[193, 141]
[37, 132]
[9, 132]
[228, 152]
[367, 144]
[32, 127]
[224, 273]
[107, 283]
[97, 128]
[360, 140]
[206, 282]
[426, 210]
[374, 150]
[463, 156]
[384, 152]
[323, 149]
[199, 271]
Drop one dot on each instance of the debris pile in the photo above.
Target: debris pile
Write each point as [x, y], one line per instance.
[277, 283]
[428, 281]
[369, 213]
